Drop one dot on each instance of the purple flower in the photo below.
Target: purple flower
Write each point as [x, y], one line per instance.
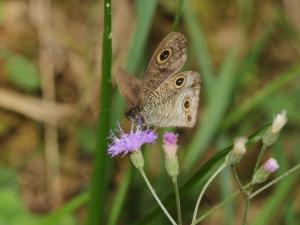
[262, 174]
[270, 165]
[130, 142]
[170, 138]
[170, 144]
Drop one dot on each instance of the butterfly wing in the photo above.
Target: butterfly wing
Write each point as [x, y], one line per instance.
[167, 59]
[175, 101]
[129, 87]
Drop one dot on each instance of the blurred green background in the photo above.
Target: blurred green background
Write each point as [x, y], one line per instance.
[247, 53]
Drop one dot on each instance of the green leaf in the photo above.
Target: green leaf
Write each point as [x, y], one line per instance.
[199, 47]
[215, 109]
[99, 180]
[59, 215]
[261, 95]
[22, 73]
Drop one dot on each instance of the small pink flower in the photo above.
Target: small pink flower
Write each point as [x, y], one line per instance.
[170, 144]
[270, 166]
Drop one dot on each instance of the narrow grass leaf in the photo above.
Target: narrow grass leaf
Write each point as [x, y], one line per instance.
[120, 197]
[261, 95]
[100, 168]
[199, 47]
[214, 111]
[177, 15]
[68, 208]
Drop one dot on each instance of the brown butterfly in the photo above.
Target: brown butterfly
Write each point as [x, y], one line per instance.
[164, 98]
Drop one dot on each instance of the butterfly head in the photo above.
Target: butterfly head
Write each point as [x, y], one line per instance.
[135, 117]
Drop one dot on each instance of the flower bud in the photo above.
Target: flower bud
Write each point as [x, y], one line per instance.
[137, 159]
[237, 152]
[262, 174]
[170, 148]
[272, 133]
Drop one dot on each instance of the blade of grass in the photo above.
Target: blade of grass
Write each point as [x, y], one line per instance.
[199, 47]
[120, 197]
[199, 178]
[255, 51]
[99, 174]
[177, 15]
[57, 215]
[261, 96]
[214, 111]
[145, 13]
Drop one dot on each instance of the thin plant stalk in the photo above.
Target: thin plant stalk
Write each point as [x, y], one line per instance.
[203, 191]
[176, 191]
[156, 197]
[233, 195]
[238, 181]
[209, 212]
[248, 200]
[276, 180]
[100, 169]
[177, 16]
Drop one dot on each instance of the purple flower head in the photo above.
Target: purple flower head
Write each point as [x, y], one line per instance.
[130, 142]
[170, 144]
[270, 166]
[170, 138]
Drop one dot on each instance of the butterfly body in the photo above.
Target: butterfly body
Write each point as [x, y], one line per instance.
[164, 98]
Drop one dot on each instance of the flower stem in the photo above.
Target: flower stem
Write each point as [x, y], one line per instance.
[259, 159]
[233, 195]
[176, 191]
[156, 197]
[238, 181]
[204, 189]
[246, 209]
[276, 180]
[248, 200]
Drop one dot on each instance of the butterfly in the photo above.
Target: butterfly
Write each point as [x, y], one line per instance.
[165, 98]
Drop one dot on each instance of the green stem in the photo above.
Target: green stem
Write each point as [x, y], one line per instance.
[248, 200]
[176, 191]
[233, 195]
[156, 197]
[177, 16]
[203, 191]
[259, 159]
[100, 168]
[294, 169]
[238, 181]
[209, 212]
[246, 209]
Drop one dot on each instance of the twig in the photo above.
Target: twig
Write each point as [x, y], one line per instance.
[41, 15]
[36, 109]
